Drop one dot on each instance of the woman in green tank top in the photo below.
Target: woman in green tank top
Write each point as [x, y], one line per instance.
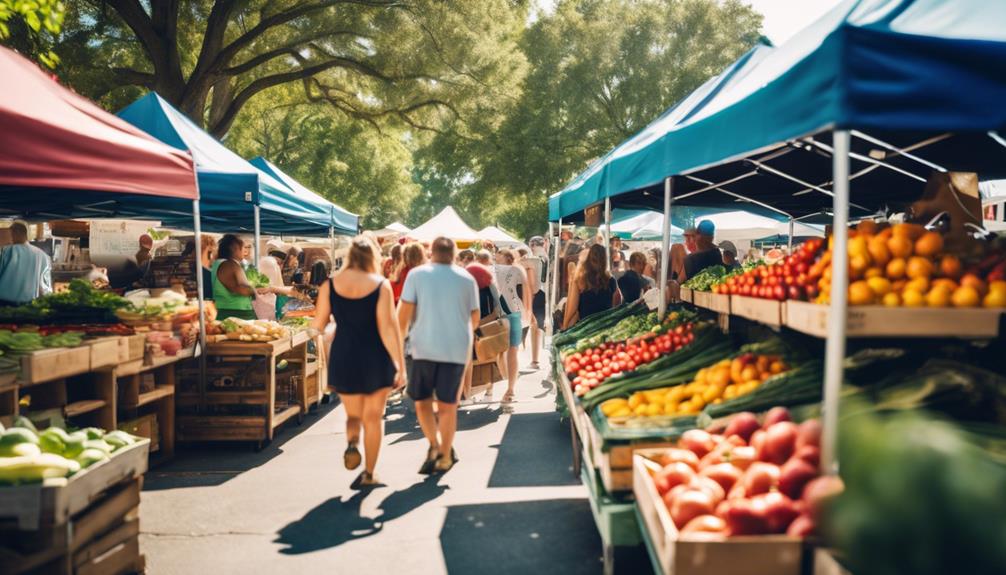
[232, 292]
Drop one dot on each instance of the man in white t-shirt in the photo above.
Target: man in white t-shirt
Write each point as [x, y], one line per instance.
[517, 304]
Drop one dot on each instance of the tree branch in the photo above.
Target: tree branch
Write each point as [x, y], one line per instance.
[269, 22]
[291, 48]
[133, 14]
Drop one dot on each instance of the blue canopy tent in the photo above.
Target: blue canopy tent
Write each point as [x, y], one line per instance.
[234, 195]
[854, 113]
[341, 221]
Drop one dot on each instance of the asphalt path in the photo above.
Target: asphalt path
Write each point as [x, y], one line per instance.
[510, 506]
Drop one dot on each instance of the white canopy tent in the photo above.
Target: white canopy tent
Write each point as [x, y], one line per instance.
[498, 237]
[645, 226]
[448, 224]
[741, 228]
[393, 229]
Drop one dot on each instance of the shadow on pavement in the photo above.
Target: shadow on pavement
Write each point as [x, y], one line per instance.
[556, 536]
[402, 419]
[338, 521]
[208, 464]
[534, 452]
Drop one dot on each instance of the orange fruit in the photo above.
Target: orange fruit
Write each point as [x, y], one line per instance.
[976, 282]
[950, 266]
[860, 293]
[938, 297]
[867, 227]
[885, 232]
[877, 247]
[945, 283]
[892, 299]
[899, 246]
[896, 268]
[858, 264]
[873, 273]
[995, 298]
[880, 286]
[909, 231]
[997, 286]
[919, 267]
[920, 285]
[930, 244]
[913, 298]
[858, 247]
[965, 296]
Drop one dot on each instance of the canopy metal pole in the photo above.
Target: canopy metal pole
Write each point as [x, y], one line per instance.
[834, 354]
[790, 245]
[665, 246]
[197, 229]
[556, 273]
[331, 245]
[258, 236]
[607, 230]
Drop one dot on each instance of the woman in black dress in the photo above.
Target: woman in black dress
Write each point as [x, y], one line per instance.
[366, 359]
[592, 290]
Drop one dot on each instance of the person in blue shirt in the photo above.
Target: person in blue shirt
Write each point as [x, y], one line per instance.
[440, 302]
[25, 271]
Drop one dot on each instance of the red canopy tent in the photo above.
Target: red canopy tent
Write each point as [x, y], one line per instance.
[54, 139]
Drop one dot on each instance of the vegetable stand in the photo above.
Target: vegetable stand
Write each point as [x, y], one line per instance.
[251, 388]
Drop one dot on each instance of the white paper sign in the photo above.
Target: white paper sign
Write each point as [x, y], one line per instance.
[117, 237]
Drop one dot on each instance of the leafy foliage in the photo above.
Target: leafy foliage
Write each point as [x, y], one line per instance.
[31, 26]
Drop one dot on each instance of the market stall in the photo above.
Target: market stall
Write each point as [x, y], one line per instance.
[447, 223]
[69, 479]
[873, 110]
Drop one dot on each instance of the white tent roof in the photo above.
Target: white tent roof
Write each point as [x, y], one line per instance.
[392, 229]
[448, 224]
[498, 237]
[648, 225]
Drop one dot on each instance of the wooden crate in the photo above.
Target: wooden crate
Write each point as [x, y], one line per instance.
[115, 553]
[26, 551]
[131, 347]
[221, 428]
[825, 563]
[767, 311]
[879, 321]
[687, 295]
[677, 555]
[54, 501]
[104, 351]
[712, 301]
[56, 363]
[144, 426]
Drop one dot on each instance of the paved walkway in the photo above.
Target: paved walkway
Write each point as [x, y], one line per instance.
[511, 505]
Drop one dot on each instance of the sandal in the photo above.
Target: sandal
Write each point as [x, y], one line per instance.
[352, 457]
[364, 481]
[534, 365]
[431, 460]
[508, 397]
[444, 464]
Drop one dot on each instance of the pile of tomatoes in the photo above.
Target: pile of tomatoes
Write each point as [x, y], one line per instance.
[794, 278]
[592, 367]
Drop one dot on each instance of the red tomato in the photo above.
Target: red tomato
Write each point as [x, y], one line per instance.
[574, 366]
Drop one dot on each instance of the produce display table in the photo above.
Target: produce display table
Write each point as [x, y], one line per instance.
[247, 393]
[87, 523]
[613, 516]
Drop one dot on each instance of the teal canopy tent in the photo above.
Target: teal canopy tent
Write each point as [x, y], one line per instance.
[342, 221]
[234, 195]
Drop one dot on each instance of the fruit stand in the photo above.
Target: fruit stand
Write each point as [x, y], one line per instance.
[252, 386]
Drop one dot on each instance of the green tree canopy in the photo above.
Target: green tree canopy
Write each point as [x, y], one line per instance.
[600, 70]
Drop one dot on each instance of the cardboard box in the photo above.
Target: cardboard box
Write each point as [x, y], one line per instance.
[879, 321]
[712, 301]
[679, 555]
[767, 311]
[687, 295]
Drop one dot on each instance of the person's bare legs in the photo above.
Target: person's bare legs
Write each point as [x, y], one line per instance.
[427, 421]
[447, 423]
[466, 386]
[373, 426]
[354, 415]
[535, 340]
[511, 371]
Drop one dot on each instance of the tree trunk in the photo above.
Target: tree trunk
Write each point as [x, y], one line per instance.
[223, 95]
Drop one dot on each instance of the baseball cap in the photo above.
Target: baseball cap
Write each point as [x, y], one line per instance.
[729, 247]
[706, 228]
[536, 241]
